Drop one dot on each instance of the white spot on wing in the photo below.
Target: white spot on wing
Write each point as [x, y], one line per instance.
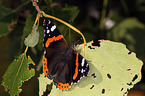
[44, 52]
[82, 70]
[49, 22]
[53, 28]
[83, 61]
[87, 65]
[48, 31]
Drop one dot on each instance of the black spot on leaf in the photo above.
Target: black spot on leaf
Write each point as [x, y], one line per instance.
[31, 66]
[109, 76]
[97, 43]
[121, 89]
[103, 91]
[134, 78]
[92, 87]
[93, 75]
[128, 69]
[125, 93]
[90, 47]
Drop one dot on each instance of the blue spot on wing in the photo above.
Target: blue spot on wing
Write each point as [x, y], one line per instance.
[50, 77]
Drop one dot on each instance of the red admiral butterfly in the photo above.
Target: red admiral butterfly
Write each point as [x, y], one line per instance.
[61, 61]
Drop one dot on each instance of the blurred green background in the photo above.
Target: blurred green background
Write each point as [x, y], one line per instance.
[115, 20]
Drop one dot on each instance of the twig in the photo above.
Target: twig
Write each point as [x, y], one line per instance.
[34, 2]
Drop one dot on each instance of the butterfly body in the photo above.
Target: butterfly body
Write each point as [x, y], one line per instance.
[61, 60]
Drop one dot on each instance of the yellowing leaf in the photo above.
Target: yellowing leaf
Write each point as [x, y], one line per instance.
[43, 82]
[113, 71]
[17, 73]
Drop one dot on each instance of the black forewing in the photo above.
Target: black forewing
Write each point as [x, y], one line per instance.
[56, 47]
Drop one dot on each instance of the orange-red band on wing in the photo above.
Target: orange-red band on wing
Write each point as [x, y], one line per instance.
[45, 69]
[62, 86]
[50, 40]
[77, 65]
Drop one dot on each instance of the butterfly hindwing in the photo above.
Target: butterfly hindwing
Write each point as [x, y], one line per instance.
[81, 69]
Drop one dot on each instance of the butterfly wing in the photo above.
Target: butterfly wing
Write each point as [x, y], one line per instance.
[54, 45]
[81, 67]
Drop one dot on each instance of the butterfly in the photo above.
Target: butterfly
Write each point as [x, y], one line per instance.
[61, 62]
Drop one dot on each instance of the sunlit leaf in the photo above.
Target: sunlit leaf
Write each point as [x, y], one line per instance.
[43, 82]
[113, 71]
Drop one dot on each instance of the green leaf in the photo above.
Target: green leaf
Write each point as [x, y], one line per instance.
[29, 25]
[43, 82]
[131, 32]
[4, 27]
[7, 16]
[71, 11]
[33, 38]
[112, 71]
[68, 14]
[17, 73]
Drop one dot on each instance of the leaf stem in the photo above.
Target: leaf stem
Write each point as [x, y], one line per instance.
[26, 50]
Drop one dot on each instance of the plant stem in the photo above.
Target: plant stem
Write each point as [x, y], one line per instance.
[105, 3]
[26, 50]
[124, 5]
